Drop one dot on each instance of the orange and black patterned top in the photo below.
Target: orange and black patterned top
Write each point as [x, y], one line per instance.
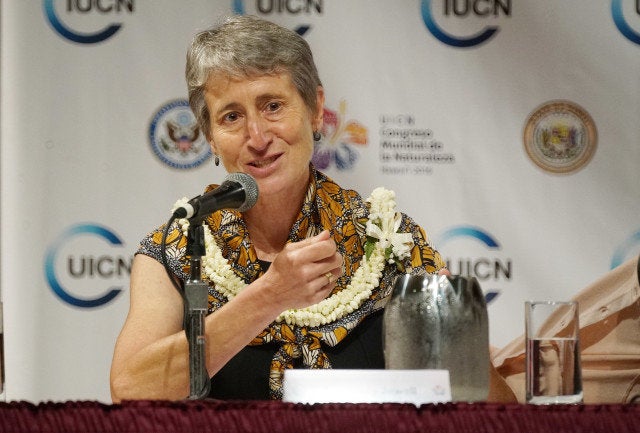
[326, 206]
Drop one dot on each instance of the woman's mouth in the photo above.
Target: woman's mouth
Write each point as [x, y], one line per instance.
[260, 163]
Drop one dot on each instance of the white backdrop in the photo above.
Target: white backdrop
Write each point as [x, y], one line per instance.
[519, 154]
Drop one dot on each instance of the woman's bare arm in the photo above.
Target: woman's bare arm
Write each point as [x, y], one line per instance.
[151, 357]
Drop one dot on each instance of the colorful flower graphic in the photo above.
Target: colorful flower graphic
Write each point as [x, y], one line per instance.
[338, 140]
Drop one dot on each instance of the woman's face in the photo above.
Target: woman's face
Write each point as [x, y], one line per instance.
[261, 126]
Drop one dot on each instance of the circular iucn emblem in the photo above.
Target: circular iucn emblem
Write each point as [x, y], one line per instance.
[560, 137]
[176, 138]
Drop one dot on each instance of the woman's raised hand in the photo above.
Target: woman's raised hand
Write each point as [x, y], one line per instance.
[304, 272]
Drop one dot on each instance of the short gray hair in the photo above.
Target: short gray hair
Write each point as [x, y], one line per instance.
[246, 46]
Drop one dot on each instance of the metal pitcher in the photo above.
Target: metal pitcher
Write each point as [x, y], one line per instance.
[440, 322]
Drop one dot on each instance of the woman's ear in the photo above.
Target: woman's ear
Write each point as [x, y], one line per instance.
[319, 115]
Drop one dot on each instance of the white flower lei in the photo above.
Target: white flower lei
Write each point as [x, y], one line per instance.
[366, 278]
[383, 225]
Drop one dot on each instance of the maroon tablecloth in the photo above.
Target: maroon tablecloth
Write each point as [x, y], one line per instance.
[275, 416]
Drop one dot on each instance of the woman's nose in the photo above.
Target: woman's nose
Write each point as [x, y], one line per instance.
[259, 135]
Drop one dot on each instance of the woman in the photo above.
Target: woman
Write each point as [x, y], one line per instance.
[298, 283]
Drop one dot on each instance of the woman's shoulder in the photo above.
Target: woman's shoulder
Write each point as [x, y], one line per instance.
[165, 243]
[328, 187]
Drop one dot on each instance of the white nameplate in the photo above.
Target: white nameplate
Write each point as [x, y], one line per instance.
[366, 386]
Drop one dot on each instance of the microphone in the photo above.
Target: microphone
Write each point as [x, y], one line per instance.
[238, 191]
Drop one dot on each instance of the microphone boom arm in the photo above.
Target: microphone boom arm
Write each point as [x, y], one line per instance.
[239, 191]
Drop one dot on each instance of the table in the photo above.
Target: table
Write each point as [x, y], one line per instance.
[276, 416]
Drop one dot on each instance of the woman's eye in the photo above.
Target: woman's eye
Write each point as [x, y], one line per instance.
[231, 117]
[273, 106]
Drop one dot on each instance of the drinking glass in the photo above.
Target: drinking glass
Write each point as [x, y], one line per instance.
[552, 353]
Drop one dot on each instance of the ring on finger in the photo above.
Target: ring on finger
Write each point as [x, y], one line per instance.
[329, 276]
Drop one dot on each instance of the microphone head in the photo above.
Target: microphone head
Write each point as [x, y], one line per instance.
[250, 188]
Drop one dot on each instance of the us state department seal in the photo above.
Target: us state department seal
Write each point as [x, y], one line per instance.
[175, 137]
[560, 137]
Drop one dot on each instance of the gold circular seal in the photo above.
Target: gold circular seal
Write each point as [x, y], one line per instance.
[560, 137]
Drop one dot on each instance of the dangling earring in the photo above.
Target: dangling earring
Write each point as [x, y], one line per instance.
[216, 160]
[317, 136]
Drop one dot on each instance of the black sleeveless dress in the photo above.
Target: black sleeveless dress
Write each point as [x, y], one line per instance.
[246, 376]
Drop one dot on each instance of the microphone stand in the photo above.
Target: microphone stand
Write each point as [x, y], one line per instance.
[195, 312]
